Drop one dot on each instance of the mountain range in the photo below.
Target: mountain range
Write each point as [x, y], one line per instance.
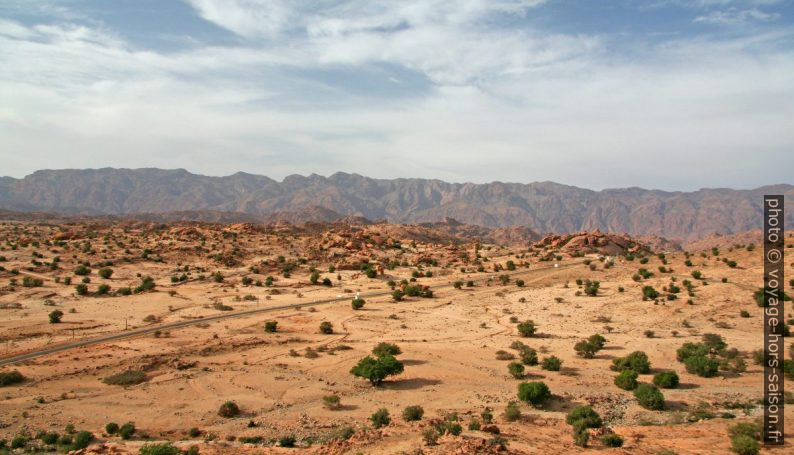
[540, 206]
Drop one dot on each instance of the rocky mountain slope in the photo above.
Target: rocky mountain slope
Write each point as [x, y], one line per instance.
[540, 206]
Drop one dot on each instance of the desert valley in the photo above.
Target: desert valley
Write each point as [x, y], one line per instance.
[347, 337]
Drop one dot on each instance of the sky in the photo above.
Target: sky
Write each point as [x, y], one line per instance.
[667, 94]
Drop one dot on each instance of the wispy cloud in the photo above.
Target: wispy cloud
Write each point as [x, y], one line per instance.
[736, 16]
[467, 90]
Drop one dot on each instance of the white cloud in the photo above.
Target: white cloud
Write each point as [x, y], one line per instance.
[736, 16]
[500, 103]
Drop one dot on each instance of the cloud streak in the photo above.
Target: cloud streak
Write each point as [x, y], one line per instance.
[464, 91]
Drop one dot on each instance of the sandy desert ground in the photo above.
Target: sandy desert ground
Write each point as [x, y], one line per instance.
[451, 343]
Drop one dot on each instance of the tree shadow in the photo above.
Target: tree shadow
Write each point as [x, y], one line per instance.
[613, 348]
[533, 376]
[413, 362]
[605, 357]
[569, 371]
[675, 405]
[560, 404]
[687, 386]
[411, 384]
[346, 407]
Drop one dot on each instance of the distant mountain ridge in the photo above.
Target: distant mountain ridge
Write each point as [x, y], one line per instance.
[539, 206]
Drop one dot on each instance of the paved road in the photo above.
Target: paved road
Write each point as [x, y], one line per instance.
[238, 314]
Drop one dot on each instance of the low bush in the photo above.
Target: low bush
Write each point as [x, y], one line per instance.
[512, 412]
[535, 393]
[649, 397]
[702, 366]
[551, 363]
[516, 370]
[126, 378]
[612, 440]
[627, 380]
[229, 409]
[413, 413]
[526, 328]
[332, 402]
[127, 430]
[666, 379]
[745, 445]
[165, 448]
[10, 377]
[326, 328]
[82, 439]
[637, 361]
[380, 418]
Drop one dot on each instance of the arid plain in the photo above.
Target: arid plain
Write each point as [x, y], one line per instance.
[195, 305]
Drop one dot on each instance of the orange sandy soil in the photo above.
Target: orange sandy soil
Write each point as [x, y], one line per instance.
[448, 344]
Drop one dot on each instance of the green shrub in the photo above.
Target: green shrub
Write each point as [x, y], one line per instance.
[384, 349]
[413, 413]
[512, 412]
[82, 439]
[380, 418]
[131, 377]
[111, 428]
[649, 397]
[271, 326]
[637, 361]
[612, 440]
[745, 429]
[586, 349]
[82, 270]
[49, 438]
[649, 293]
[690, 350]
[430, 436]
[229, 409]
[326, 328]
[55, 316]
[526, 328]
[584, 417]
[332, 402]
[106, 272]
[580, 437]
[357, 304]
[535, 393]
[528, 356]
[127, 430]
[666, 379]
[19, 442]
[627, 380]
[702, 366]
[165, 448]
[516, 369]
[715, 343]
[377, 369]
[286, 441]
[10, 377]
[745, 445]
[551, 363]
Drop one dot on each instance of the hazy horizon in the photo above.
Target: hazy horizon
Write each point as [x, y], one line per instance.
[485, 182]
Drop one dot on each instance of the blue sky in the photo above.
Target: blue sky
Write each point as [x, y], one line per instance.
[668, 94]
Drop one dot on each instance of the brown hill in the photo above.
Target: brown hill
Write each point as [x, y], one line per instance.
[540, 206]
[593, 242]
